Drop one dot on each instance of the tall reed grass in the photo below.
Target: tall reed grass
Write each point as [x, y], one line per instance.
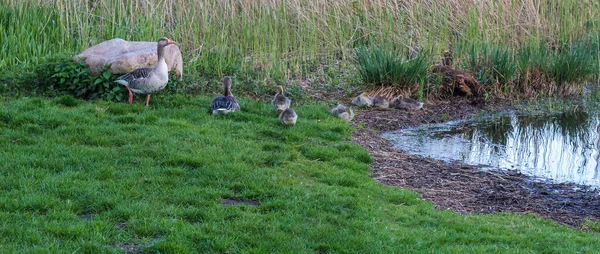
[383, 66]
[298, 29]
[285, 39]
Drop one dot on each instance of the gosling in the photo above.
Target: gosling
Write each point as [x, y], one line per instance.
[407, 104]
[343, 112]
[287, 116]
[362, 100]
[280, 101]
[380, 102]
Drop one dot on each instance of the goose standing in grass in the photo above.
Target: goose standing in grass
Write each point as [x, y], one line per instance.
[149, 79]
[280, 102]
[288, 116]
[343, 112]
[226, 103]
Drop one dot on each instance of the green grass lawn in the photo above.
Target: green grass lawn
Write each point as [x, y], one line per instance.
[105, 177]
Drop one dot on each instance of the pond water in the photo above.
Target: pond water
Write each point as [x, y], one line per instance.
[560, 148]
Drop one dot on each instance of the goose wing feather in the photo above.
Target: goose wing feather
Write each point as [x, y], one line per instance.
[224, 102]
[137, 78]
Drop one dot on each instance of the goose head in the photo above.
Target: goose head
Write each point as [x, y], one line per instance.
[164, 41]
[280, 90]
[364, 96]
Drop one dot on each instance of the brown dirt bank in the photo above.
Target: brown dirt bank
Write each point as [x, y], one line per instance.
[464, 188]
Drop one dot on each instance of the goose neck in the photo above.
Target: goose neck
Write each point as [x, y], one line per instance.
[227, 90]
[160, 52]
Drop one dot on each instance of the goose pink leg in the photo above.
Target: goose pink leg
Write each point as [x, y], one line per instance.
[147, 100]
[130, 95]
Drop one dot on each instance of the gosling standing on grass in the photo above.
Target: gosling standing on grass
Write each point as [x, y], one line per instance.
[288, 116]
[226, 103]
[280, 102]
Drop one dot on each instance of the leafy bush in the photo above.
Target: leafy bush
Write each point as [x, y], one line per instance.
[67, 77]
[381, 66]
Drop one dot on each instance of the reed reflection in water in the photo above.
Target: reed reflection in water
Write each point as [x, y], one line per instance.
[560, 148]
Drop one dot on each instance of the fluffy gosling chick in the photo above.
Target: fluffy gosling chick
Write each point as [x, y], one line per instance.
[280, 101]
[407, 104]
[380, 102]
[343, 112]
[288, 116]
[362, 100]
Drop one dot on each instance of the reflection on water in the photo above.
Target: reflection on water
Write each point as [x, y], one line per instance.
[557, 148]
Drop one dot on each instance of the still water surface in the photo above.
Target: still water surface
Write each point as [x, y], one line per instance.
[561, 148]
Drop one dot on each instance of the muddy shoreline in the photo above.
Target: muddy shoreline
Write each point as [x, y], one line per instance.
[460, 187]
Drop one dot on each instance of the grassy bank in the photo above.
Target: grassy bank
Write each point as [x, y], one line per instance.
[313, 43]
[87, 177]
[81, 176]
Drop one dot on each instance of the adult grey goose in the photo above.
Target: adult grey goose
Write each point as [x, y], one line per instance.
[226, 103]
[149, 79]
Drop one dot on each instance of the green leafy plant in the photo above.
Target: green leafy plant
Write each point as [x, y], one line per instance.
[65, 76]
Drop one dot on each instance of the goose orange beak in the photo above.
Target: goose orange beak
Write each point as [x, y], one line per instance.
[169, 41]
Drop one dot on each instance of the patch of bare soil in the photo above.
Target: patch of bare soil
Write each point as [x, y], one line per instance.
[464, 188]
[231, 202]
